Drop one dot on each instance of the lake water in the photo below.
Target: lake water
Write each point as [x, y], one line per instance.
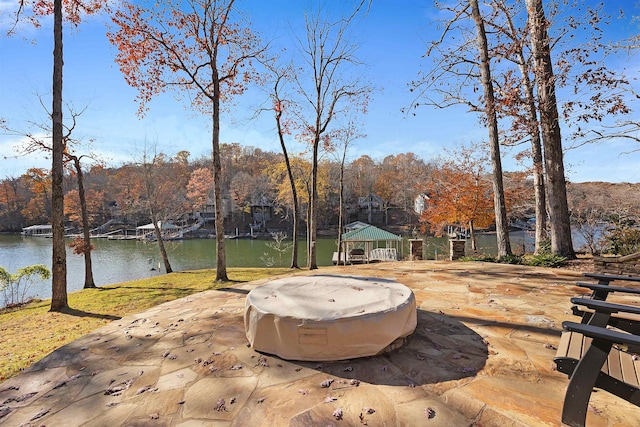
[117, 261]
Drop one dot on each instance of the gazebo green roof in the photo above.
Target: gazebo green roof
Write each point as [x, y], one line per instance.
[369, 233]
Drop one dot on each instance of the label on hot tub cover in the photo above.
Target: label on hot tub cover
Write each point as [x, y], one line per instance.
[308, 335]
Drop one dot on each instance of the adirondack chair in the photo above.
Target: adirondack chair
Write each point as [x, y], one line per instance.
[593, 354]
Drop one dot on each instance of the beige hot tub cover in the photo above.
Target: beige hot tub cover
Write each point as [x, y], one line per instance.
[328, 317]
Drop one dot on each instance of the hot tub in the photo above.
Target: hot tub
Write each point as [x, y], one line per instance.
[329, 317]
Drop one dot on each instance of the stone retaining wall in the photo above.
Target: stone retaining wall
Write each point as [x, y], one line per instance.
[628, 265]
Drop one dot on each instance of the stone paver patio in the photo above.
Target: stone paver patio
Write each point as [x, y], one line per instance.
[482, 355]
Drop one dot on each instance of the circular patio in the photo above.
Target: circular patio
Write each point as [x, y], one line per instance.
[329, 317]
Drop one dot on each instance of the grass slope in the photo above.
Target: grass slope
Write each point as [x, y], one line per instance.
[30, 332]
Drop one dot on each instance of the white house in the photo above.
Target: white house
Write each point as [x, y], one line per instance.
[420, 203]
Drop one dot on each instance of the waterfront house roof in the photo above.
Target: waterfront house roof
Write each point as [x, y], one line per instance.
[354, 226]
[372, 201]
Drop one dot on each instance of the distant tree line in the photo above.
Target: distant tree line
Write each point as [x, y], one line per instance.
[170, 185]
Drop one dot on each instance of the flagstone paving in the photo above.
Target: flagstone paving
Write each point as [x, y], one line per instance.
[482, 354]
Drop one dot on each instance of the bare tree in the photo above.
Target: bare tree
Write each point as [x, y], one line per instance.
[623, 129]
[588, 221]
[346, 136]
[73, 11]
[513, 49]
[328, 56]
[86, 247]
[461, 66]
[204, 46]
[36, 142]
[59, 301]
[594, 92]
[502, 232]
[164, 183]
[280, 105]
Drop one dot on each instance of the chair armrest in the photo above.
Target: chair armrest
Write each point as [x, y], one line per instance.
[608, 289]
[605, 307]
[604, 279]
[603, 334]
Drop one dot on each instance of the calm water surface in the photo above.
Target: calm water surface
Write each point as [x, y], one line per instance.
[117, 261]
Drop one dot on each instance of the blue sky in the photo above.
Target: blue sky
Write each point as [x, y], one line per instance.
[392, 40]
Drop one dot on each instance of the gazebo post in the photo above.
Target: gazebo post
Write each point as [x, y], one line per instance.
[346, 252]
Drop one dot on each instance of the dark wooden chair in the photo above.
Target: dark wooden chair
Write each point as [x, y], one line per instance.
[600, 291]
[594, 355]
[590, 356]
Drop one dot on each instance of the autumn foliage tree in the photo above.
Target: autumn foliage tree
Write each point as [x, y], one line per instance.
[360, 177]
[38, 182]
[301, 172]
[127, 189]
[11, 203]
[460, 193]
[73, 209]
[201, 47]
[199, 186]
[399, 179]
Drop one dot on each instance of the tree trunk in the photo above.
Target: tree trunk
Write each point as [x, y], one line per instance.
[472, 236]
[313, 216]
[149, 182]
[308, 217]
[221, 255]
[294, 193]
[163, 250]
[536, 148]
[340, 207]
[86, 232]
[295, 233]
[59, 300]
[539, 191]
[560, 225]
[502, 233]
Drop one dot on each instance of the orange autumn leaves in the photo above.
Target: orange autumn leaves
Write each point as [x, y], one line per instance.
[185, 47]
[461, 193]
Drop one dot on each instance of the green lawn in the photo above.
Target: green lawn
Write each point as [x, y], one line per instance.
[29, 333]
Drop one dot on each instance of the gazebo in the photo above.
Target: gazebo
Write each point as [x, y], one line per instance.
[364, 245]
